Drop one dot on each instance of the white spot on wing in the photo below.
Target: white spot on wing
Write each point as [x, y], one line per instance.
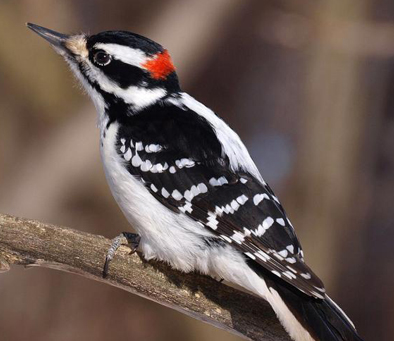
[229, 209]
[136, 160]
[290, 248]
[195, 191]
[214, 182]
[259, 231]
[219, 210]
[238, 237]
[127, 155]
[176, 195]
[202, 188]
[259, 198]
[153, 148]
[139, 146]
[242, 199]
[184, 163]
[188, 195]
[165, 193]
[146, 166]
[247, 232]
[187, 208]
[235, 205]
[159, 168]
[267, 223]
[212, 221]
[283, 253]
[154, 169]
[291, 260]
[222, 181]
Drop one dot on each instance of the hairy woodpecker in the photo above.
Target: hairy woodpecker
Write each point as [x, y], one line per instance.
[187, 184]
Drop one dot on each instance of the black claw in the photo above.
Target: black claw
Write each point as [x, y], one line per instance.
[105, 270]
[133, 240]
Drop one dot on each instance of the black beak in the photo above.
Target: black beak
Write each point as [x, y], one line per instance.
[57, 40]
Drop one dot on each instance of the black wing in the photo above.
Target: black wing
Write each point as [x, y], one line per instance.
[181, 163]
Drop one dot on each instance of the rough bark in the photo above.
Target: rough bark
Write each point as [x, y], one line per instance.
[32, 243]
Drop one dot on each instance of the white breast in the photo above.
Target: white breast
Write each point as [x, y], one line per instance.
[164, 234]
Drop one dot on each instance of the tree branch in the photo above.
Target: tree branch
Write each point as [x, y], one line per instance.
[31, 243]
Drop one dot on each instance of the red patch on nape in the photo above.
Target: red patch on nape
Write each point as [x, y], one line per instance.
[160, 66]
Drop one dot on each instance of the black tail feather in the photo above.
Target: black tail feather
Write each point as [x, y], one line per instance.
[323, 319]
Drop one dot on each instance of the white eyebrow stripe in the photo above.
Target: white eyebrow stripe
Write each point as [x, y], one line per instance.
[125, 54]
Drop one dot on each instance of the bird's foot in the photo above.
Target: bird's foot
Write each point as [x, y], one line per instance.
[133, 240]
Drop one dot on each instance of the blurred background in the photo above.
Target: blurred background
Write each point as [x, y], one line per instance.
[307, 84]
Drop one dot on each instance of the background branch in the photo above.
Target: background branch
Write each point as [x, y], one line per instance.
[32, 243]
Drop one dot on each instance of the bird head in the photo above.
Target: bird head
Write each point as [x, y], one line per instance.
[116, 66]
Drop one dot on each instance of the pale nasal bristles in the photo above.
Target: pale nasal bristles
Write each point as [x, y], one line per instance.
[77, 45]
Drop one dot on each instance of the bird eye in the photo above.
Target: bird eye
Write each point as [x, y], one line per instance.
[102, 58]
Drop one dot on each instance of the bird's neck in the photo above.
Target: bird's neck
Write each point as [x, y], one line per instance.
[111, 108]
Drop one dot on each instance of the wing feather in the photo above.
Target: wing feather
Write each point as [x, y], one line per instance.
[183, 165]
[240, 209]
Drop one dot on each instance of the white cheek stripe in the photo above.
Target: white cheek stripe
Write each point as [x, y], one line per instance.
[136, 96]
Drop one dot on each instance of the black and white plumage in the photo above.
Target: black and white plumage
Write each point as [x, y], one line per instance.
[187, 184]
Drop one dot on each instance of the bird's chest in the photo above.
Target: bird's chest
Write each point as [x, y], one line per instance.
[165, 235]
[130, 192]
